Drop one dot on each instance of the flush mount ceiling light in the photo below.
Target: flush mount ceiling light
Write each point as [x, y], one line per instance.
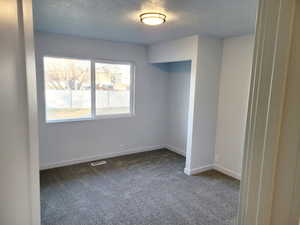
[153, 18]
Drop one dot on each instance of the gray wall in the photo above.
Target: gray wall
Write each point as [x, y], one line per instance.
[63, 143]
[178, 102]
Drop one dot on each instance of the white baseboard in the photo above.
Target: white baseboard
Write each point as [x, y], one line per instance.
[143, 149]
[176, 150]
[99, 157]
[198, 170]
[212, 167]
[227, 172]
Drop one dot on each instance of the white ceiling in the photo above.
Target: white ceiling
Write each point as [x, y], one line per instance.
[118, 20]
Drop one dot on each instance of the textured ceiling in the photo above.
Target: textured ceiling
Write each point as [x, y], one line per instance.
[118, 20]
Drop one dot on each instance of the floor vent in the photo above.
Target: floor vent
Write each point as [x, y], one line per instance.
[98, 163]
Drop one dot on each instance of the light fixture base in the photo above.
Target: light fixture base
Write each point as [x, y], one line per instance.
[153, 18]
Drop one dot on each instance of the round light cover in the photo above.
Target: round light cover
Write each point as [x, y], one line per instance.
[152, 18]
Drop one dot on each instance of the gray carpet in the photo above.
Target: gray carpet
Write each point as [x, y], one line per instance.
[141, 189]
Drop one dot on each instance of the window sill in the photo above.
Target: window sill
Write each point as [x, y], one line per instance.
[99, 117]
[114, 116]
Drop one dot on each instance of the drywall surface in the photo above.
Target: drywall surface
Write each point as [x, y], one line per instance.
[173, 51]
[233, 103]
[204, 88]
[178, 103]
[205, 55]
[63, 143]
[15, 160]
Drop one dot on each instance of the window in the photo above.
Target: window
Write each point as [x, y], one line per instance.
[67, 88]
[112, 88]
[85, 89]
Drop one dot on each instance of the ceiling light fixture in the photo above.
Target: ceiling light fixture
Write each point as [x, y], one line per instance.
[153, 18]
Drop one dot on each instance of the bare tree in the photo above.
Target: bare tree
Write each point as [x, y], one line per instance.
[66, 74]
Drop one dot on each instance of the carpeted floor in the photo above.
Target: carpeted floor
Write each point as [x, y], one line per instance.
[141, 189]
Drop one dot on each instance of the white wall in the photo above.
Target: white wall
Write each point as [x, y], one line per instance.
[203, 105]
[61, 143]
[178, 103]
[173, 51]
[233, 103]
[17, 170]
[205, 55]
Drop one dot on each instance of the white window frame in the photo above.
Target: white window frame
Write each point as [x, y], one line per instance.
[94, 116]
[132, 89]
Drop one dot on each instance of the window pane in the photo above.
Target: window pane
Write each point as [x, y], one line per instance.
[112, 88]
[67, 88]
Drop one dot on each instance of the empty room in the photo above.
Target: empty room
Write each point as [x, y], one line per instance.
[141, 111]
[149, 112]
